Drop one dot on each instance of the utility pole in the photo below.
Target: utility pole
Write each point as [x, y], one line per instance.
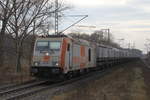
[121, 42]
[133, 45]
[108, 34]
[129, 45]
[147, 48]
[56, 17]
[147, 45]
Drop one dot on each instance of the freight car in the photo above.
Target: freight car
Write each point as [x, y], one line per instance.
[59, 56]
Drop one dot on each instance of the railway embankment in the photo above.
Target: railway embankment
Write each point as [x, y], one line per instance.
[129, 82]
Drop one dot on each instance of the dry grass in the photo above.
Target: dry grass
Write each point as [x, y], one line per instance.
[138, 86]
[122, 84]
[8, 74]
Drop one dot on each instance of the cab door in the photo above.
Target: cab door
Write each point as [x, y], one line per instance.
[69, 56]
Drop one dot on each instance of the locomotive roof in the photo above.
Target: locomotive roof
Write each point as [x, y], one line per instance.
[107, 46]
[85, 42]
[53, 36]
[79, 41]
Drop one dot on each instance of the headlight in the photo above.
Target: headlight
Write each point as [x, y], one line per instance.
[36, 63]
[56, 64]
[47, 54]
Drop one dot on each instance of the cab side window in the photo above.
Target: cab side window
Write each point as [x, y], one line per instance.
[68, 47]
[89, 51]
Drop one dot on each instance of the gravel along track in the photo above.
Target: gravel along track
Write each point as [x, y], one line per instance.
[10, 91]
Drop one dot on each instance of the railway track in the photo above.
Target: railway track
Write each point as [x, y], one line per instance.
[8, 92]
[5, 87]
[21, 92]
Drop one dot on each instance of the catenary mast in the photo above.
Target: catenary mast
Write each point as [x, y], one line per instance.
[56, 17]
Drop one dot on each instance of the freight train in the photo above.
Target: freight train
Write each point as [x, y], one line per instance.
[57, 56]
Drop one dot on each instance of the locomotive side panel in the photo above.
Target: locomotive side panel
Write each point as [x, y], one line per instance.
[76, 57]
[83, 56]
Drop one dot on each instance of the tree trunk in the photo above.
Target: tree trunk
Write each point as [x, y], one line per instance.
[18, 63]
[2, 41]
[1, 53]
[19, 55]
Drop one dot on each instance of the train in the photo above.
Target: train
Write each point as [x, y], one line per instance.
[63, 56]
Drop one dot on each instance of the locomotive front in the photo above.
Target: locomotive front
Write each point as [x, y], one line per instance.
[45, 61]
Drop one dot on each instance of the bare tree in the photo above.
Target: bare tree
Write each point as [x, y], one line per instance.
[26, 17]
[6, 10]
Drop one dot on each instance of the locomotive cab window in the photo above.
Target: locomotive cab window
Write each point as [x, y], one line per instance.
[48, 45]
[42, 45]
[55, 45]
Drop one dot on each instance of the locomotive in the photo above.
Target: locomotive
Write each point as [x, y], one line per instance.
[56, 56]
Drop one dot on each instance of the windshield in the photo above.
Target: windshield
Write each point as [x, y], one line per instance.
[48, 45]
[42, 45]
[55, 45]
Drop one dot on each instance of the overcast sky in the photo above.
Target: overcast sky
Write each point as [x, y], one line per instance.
[128, 19]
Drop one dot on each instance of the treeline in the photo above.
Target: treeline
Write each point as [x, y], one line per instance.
[98, 37]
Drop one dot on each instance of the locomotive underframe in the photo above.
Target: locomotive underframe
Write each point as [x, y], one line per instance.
[46, 72]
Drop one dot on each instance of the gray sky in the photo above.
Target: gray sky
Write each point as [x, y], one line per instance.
[128, 19]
